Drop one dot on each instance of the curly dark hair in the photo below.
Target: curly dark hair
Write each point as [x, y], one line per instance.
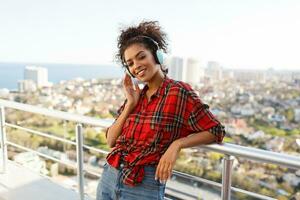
[130, 35]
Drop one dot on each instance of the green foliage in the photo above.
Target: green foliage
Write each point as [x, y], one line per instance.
[190, 168]
[271, 167]
[213, 175]
[272, 131]
[282, 198]
[214, 156]
[102, 139]
[241, 196]
[267, 192]
[228, 140]
[289, 114]
[295, 132]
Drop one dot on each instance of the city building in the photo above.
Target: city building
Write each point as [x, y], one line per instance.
[214, 70]
[38, 74]
[250, 75]
[175, 67]
[192, 72]
[26, 86]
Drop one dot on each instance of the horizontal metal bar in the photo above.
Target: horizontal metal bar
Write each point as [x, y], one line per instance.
[219, 185]
[41, 133]
[226, 148]
[92, 172]
[56, 114]
[177, 193]
[174, 172]
[196, 178]
[41, 154]
[55, 137]
[95, 149]
[260, 196]
[281, 159]
[50, 158]
[260, 155]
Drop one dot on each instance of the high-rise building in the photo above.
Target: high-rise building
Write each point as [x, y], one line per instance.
[228, 74]
[26, 86]
[175, 67]
[214, 70]
[38, 74]
[192, 71]
[250, 75]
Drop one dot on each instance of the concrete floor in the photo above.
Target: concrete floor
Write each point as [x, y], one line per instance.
[19, 183]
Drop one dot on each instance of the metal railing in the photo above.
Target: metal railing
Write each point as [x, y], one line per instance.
[229, 150]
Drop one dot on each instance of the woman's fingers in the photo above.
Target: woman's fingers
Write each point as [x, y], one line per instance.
[157, 172]
[163, 171]
[166, 171]
[128, 86]
[131, 90]
[127, 81]
[137, 87]
[170, 169]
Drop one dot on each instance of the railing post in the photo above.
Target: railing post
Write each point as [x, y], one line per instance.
[79, 149]
[226, 177]
[3, 139]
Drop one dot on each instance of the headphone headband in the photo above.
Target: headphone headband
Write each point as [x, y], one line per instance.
[150, 38]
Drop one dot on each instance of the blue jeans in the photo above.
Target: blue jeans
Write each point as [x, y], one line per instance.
[111, 186]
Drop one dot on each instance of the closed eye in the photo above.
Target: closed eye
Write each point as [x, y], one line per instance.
[140, 55]
[139, 58]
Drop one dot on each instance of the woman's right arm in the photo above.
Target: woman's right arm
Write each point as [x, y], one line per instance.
[115, 130]
[132, 94]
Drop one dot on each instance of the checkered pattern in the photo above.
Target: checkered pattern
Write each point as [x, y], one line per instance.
[173, 112]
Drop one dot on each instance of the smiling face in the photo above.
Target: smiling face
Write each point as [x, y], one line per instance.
[141, 62]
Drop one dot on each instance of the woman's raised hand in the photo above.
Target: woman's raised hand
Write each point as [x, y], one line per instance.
[132, 91]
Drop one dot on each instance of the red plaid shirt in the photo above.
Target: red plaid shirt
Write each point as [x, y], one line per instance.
[174, 111]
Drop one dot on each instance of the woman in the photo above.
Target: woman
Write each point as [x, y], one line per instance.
[153, 123]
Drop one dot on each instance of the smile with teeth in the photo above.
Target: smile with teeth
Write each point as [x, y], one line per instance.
[141, 72]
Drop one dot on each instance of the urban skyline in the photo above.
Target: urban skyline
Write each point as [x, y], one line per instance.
[238, 34]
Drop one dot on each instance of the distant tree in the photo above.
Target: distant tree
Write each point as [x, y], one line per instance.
[289, 114]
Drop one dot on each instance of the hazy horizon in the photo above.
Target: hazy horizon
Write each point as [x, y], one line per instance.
[116, 65]
[237, 34]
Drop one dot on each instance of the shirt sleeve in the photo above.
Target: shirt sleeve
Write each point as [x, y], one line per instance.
[200, 118]
[119, 111]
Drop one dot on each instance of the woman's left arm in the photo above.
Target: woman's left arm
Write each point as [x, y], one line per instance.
[200, 126]
[167, 161]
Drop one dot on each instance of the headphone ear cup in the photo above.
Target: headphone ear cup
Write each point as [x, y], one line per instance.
[160, 56]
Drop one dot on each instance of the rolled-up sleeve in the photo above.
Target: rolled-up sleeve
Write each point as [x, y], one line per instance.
[201, 119]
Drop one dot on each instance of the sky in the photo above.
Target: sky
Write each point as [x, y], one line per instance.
[236, 33]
